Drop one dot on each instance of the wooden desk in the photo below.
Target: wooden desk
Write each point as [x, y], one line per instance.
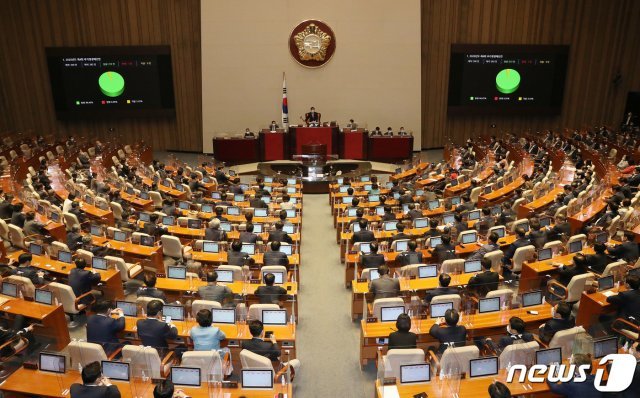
[593, 305]
[409, 173]
[499, 195]
[537, 205]
[93, 212]
[50, 316]
[138, 203]
[532, 272]
[477, 325]
[221, 258]
[577, 221]
[53, 385]
[458, 189]
[152, 256]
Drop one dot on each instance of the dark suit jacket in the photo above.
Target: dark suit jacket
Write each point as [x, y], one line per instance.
[372, 260]
[585, 389]
[484, 282]
[79, 214]
[627, 251]
[456, 334]
[81, 281]
[28, 272]
[82, 391]
[415, 213]
[363, 236]
[270, 294]
[444, 252]
[276, 258]
[17, 219]
[385, 287]
[103, 330]
[559, 230]
[151, 292]
[257, 203]
[511, 250]
[74, 240]
[236, 258]
[215, 234]
[6, 210]
[402, 340]
[510, 339]
[248, 237]
[552, 326]
[280, 236]
[439, 291]
[264, 348]
[154, 230]
[400, 235]
[538, 238]
[628, 303]
[409, 257]
[598, 262]
[153, 332]
[388, 217]
[567, 273]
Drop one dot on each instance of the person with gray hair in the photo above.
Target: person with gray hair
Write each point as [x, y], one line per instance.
[213, 232]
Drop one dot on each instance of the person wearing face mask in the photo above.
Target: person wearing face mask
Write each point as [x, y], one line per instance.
[561, 320]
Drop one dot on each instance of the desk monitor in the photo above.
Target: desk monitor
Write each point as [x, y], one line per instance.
[274, 317]
[54, 216]
[374, 198]
[501, 232]
[99, 263]
[390, 314]
[239, 197]
[248, 248]
[206, 208]
[176, 312]
[500, 184]
[602, 237]
[278, 275]
[232, 173]
[184, 376]
[427, 271]
[40, 209]
[525, 226]
[365, 247]
[405, 208]
[487, 189]
[419, 192]
[142, 216]
[575, 247]
[532, 298]
[96, 230]
[347, 199]
[469, 237]
[115, 370]
[289, 228]
[293, 200]
[355, 227]
[434, 204]
[545, 254]
[448, 219]
[260, 212]
[257, 378]
[35, 249]
[435, 241]
[144, 195]
[455, 200]
[194, 223]
[472, 266]
[340, 180]
[489, 305]
[549, 356]
[120, 236]
[605, 283]
[43, 296]
[390, 225]
[129, 190]
[286, 249]
[233, 210]
[179, 187]
[52, 362]
[604, 347]
[223, 315]
[258, 228]
[438, 310]
[418, 373]
[380, 210]
[225, 226]
[352, 211]
[210, 247]
[545, 221]
[183, 205]
[291, 213]
[129, 308]
[290, 190]
[343, 188]
[422, 222]
[389, 184]
[146, 240]
[176, 272]
[365, 178]
[495, 210]
[401, 245]
[225, 275]
[291, 181]
[396, 195]
[10, 289]
[453, 183]
[215, 195]
[64, 256]
[474, 215]
[483, 367]
[373, 274]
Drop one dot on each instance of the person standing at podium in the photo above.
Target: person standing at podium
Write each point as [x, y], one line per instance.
[352, 125]
[312, 118]
[273, 126]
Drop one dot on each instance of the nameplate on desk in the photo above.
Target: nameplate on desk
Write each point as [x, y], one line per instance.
[233, 343]
[389, 381]
[360, 280]
[372, 319]
[161, 275]
[288, 344]
[229, 384]
[254, 281]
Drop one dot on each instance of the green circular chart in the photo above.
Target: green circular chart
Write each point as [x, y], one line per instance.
[507, 81]
[111, 84]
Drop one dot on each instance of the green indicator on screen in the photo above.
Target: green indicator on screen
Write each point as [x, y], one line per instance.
[111, 84]
[507, 81]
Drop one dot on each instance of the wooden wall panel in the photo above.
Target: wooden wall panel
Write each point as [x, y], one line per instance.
[31, 25]
[603, 36]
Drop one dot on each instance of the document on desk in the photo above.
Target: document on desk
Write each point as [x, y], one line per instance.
[390, 392]
[609, 293]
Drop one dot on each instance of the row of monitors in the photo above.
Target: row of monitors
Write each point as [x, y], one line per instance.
[225, 276]
[483, 367]
[180, 375]
[41, 296]
[197, 223]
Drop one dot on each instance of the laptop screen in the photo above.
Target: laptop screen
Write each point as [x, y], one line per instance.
[210, 247]
[147, 240]
[500, 232]
[43, 297]
[455, 200]
[145, 217]
[278, 275]
[176, 312]
[434, 204]
[176, 272]
[194, 224]
[286, 249]
[545, 254]
[605, 283]
[605, 347]
[206, 208]
[120, 236]
[64, 257]
[225, 226]
[260, 212]
[128, 308]
[257, 378]
[545, 221]
[489, 305]
[390, 314]
[184, 205]
[401, 245]
[167, 220]
[575, 247]
[602, 237]
[345, 200]
[35, 249]
[225, 275]
[54, 216]
[289, 228]
[291, 213]
[427, 271]
[390, 225]
[469, 237]
[116, 370]
[532, 298]
[99, 263]
[233, 211]
[238, 197]
[473, 215]
[421, 222]
[373, 274]
[549, 356]
[365, 248]
[52, 363]
[374, 198]
[419, 373]
[438, 310]
[257, 228]
[9, 289]
[472, 266]
[183, 376]
[291, 181]
[435, 241]
[274, 317]
[223, 315]
[483, 367]
[248, 248]
[448, 219]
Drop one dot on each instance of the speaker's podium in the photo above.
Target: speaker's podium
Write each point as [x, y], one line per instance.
[353, 144]
[273, 145]
[300, 136]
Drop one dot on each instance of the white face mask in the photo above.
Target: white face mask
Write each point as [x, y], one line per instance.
[553, 312]
[509, 329]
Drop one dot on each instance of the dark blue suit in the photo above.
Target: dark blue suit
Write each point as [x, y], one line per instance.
[586, 389]
[81, 281]
[103, 330]
[155, 333]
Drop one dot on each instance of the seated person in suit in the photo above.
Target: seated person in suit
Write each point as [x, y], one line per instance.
[499, 390]
[273, 126]
[94, 385]
[413, 213]
[449, 333]
[275, 256]
[212, 291]
[376, 132]
[74, 239]
[75, 210]
[388, 214]
[406, 197]
[521, 241]
[485, 222]
[411, 256]
[102, 328]
[149, 289]
[403, 337]
[213, 232]
[359, 213]
[537, 235]
[402, 132]
[364, 235]
[18, 217]
[491, 245]
[165, 389]
[18, 328]
[627, 251]
[153, 331]
[256, 202]
[485, 281]
[219, 213]
[445, 250]
[389, 132]
[385, 286]
[571, 388]
[82, 281]
[26, 270]
[235, 256]
[516, 332]
[579, 267]
[561, 229]
[152, 227]
[400, 235]
[279, 235]
[444, 280]
[599, 260]
[286, 203]
[561, 320]
[206, 337]
[248, 236]
[433, 229]
[628, 302]
[312, 117]
[372, 259]
[33, 226]
[257, 344]
[269, 293]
